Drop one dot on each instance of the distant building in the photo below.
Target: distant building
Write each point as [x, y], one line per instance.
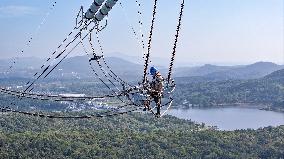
[72, 95]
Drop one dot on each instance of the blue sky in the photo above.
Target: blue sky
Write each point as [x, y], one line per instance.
[213, 31]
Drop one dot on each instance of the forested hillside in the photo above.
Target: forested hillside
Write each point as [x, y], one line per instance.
[132, 136]
[268, 90]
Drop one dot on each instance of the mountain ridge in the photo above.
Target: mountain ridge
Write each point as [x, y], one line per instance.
[79, 65]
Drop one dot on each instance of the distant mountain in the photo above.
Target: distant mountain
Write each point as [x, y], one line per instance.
[77, 67]
[256, 70]
[200, 71]
[80, 65]
[212, 72]
[21, 63]
[21, 67]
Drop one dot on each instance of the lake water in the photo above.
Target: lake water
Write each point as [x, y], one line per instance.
[231, 118]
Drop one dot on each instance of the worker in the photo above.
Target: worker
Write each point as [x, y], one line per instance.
[156, 90]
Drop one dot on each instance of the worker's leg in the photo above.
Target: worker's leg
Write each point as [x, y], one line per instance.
[158, 104]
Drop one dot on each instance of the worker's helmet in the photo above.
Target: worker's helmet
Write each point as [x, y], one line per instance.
[153, 70]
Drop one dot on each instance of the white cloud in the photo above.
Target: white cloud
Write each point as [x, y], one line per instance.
[16, 11]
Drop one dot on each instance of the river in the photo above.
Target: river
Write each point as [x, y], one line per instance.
[231, 118]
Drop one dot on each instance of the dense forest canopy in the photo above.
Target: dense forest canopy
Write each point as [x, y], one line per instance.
[132, 136]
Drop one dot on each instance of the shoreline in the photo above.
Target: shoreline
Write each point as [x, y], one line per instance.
[237, 105]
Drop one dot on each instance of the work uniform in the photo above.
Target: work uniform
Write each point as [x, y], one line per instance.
[157, 90]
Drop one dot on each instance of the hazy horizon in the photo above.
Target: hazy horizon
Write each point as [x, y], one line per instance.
[177, 64]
